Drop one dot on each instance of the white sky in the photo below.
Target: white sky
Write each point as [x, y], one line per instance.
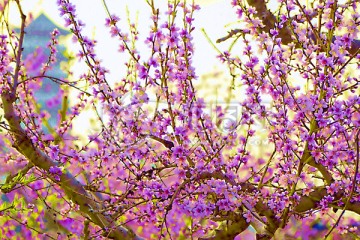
[213, 16]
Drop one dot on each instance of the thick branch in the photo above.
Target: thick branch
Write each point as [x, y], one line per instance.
[261, 208]
[285, 34]
[237, 226]
[72, 187]
[269, 21]
[310, 202]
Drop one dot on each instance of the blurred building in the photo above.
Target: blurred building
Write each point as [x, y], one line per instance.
[36, 53]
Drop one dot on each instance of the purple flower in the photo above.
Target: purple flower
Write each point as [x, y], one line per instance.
[180, 131]
[274, 32]
[54, 152]
[55, 172]
[329, 24]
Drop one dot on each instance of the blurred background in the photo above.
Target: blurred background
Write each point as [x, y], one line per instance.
[215, 18]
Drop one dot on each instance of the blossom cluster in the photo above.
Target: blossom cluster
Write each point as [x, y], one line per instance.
[163, 168]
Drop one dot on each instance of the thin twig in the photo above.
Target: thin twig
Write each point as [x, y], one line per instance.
[20, 49]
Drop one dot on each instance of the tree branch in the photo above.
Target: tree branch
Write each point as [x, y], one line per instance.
[72, 187]
[261, 208]
[19, 50]
[311, 202]
[10, 183]
[237, 226]
[269, 21]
